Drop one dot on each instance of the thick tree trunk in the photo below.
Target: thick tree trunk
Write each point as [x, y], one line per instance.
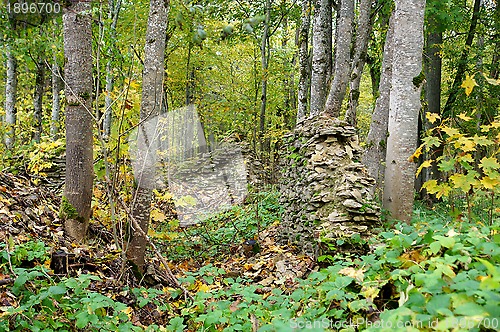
[304, 68]
[404, 108]
[264, 53]
[38, 99]
[152, 94]
[114, 11]
[363, 32]
[76, 205]
[10, 99]
[374, 155]
[321, 55]
[56, 100]
[342, 58]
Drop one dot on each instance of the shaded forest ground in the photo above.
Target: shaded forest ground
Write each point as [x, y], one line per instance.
[435, 274]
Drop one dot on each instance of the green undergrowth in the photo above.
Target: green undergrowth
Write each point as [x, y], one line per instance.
[218, 235]
[437, 274]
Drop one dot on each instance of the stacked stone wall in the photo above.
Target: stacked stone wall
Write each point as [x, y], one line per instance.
[325, 190]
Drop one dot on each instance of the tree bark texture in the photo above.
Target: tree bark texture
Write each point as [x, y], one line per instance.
[152, 95]
[404, 108]
[264, 54]
[321, 55]
[374, 155]
[304, 68]
[432, 67]
[342, 58]
[114, 11]
[37, 100]
[77, 194]
[56, 99]
[363, 31]
[10, 99]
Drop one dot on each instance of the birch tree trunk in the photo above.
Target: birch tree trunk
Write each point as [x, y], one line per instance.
[114, 11]
[152, 94]
[304, 69]
[10, 99]
[38, 99]
[363, 31]
[374, 155]
[56, 100]
[404, 108]
[77, 196]
[342, 58]
[322, 54]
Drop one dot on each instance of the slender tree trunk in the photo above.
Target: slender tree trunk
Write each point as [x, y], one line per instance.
[10, 99]
[152, 94]
[56, 100]
[38, 99]
[363, 32]
[462, 62]
[189, 91]
[432, 67]
[322, 54]
[342, 58]
[264, 53]
[114, 11]
[304, 68]
[495, 61]
[404, 108]
[374, 155]
[77, 197]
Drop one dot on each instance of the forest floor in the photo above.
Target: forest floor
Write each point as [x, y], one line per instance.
[32, 235]
[439, 273]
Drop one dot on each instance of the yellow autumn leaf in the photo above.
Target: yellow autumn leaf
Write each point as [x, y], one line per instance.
[492, 80]
[468, 84]
[465, 143]
[415, 155]
[489, 183]
[432, 117]
[157, 215]
[353, 273]
[452, 132]
[201, 287]
[464, 117]
[425, 164]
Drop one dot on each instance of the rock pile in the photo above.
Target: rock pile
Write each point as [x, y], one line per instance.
[324, 188]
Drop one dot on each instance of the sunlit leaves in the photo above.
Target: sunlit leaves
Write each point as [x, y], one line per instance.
[468, 84]
[489, 163]
[432, 117]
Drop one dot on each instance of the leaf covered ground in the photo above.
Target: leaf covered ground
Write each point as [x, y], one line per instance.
[439, 273]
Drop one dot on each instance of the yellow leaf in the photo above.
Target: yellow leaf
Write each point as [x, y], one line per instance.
[464, 117]
[415, 155]
[489, 183]
[468, 84]
[491, 80]
[452, 132]
[465, 143]
[128, 311]
[427, 163]
[432, 117]
[353, 273]
[157, 215]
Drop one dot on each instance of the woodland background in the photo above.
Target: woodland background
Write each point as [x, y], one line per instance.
[75, 86]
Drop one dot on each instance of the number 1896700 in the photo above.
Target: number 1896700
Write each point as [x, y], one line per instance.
[29, 7]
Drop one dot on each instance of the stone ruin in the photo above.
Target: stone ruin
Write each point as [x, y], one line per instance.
[325, 190]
